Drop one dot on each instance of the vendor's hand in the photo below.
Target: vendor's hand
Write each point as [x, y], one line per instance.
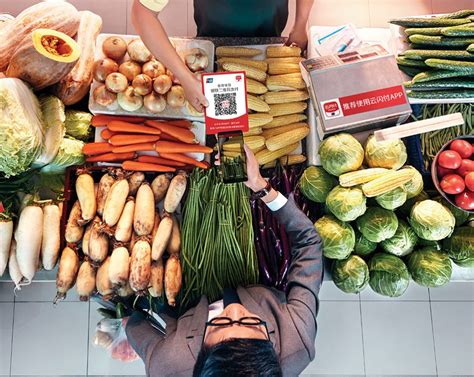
[193, 91]
[298, 37]
[255, 180]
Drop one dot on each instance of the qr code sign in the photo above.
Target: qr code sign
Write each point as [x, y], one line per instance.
[225, 104]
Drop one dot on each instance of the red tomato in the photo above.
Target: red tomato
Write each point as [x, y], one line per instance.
[449, 159]
[452, 184]
[443, 171]
[465, 200]
[466, 167]
[469, 179]
[463, 147]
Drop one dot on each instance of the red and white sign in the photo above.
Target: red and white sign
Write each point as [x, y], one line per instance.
[226, 93]
[2, 209]
[364, 102]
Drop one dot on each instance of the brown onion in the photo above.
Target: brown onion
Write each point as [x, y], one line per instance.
[103, 97]
[130, 69]
[103, 68]
[142, 84]
[116, 82]
[175, 97]
[153, 68]
[162, 84]
[196, 59]
[129, 100]
[138, 51]
[114, 48]
[155, 103]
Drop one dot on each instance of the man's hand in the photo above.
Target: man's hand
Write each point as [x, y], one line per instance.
[193, 91]
[298, 37]
[255, 181]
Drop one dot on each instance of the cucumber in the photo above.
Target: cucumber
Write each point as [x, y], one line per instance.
[424, 30]
[470, 48]
[402, 60]
[459, 31]
[451, 65]
[456, 83]
[460, 14]
[441, 94]
[443, 54]
[437, 74]
[411, 71]
[429, 22]
[441, 41]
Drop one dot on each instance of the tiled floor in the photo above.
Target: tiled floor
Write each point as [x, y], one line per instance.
[423, 333]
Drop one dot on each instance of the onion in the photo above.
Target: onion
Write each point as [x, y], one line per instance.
[196, 59]
[129, 100]
[175, 96]
[130, 69]
[155, 103]
[138, 51]
[103, 97]
[103, 68]
[162, 84]
[114, 48]
[116, 82]
[142, 84]
[153, 68]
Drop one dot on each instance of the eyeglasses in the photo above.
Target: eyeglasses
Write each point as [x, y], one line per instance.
[226, 321]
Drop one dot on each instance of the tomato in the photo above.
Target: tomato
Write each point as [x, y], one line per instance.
[463, 147]
[443, 171]
[469, 179]
[466, 167]
[452, 184]
[465, 200]
[449, 159]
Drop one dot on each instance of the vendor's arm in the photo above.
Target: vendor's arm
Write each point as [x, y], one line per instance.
[151, 31]
[298, 34]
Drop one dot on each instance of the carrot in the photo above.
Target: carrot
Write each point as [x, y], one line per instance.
[111, 157]
[106, 134]
[186, 124]
[165, 136]
[126, 139]
[142, 147]
[184, 159]
[96, 148]
[179, 133]
[103, 120]
[160, 161]
[183, 123]
[143, 166]
[125, 127]
[171, 147]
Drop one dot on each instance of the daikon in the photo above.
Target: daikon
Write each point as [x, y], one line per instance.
[13, 269]
[86, 196]
[67, 273]
[51, 234]
[6, 235]
[119, 267]
[144, 214]
[123, 231]
[85, 284]
[115, 202]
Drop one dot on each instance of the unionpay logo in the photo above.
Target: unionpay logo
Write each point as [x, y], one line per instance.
[209, 80]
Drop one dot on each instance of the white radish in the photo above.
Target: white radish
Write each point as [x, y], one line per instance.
[162, 237]
[67, 273]
[174, 244]
[105, 184]
[124, 229]
[6, 235]
[119, 267]
[85, 284]
[144, 214]
[86, 238]
[74, 231]
[157, 278]
[160, 186]
[135, 181]
[13, 268]
[86, 195]
[51, 234]
[140, 267]
[175, 193]
[28, 237]
[98, 243]
[115, 202]
[104, 285]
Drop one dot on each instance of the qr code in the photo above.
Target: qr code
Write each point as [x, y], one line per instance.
[225, 104]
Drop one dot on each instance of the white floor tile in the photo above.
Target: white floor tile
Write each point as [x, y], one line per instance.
[329, 292]
[6, 325]
[339, 340]
[53, 340]
[100, 362]
[6, 291]
[398, 338]
[454, 291]
[414, 292]
[453, 324]
[43, 292]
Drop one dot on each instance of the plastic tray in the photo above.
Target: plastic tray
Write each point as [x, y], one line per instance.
[181, 44]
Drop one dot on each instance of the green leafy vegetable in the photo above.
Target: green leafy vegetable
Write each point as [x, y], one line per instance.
[415, 186]
[338, 237]
[431, 220]
[315, 184]
[390, 154]
[403, 241]
[460, 215]
[340, 154]
[377, 224]
[460, 246]
[350, 275]
[430, 267]
[405, 209]
[78, 124]
[392, 199]
[346, 203]
[363, 246]
[388, 275]
[69, 154]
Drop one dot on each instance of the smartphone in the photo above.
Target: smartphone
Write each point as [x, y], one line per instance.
[232, 157]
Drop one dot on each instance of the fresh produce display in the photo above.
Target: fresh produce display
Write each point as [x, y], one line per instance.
[429, 267]
[351, 275]
[389, 276]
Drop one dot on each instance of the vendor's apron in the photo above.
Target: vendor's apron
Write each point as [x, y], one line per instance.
[240, 18]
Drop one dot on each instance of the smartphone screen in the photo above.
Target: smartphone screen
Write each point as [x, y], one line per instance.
[232, 155]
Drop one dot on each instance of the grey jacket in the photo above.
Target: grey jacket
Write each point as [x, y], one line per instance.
[291, 318]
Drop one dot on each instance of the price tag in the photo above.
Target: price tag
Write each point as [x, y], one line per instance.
[226, 93]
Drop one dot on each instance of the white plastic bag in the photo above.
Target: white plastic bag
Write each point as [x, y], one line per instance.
[110, 334]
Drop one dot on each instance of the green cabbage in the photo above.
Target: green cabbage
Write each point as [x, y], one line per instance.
[350, 275]
[346, 203]
[390, 154]
[431, 220]
[393, 199]
[21, 127]
[338, 237]
[403, 241]
[460, 215]
[315, 184]
[433, 244]
[340, 154]
[430, 267]
[388, 275]
[78, 124]
[363, 246]
[460, 246]
[70, 153]
[405, 209]
[377, 224]
[415, 186]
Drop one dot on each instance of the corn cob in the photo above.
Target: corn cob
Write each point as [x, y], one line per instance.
[256, 104]
[290, 81]
[286, 161]
[284, 120]
[253, 142]
[259, 119]
[283, 51]
[260, 64]
[251, 72]
[286, 138]
[283, 68]
[256, 87]
[268, 133]
[387, 182]
[237, 51]
[265, 156]
[273, 98]
[254, 131]
[359, 177]
[287, 108]
[290, 60]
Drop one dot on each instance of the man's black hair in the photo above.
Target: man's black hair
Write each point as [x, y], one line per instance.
[238, 357]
